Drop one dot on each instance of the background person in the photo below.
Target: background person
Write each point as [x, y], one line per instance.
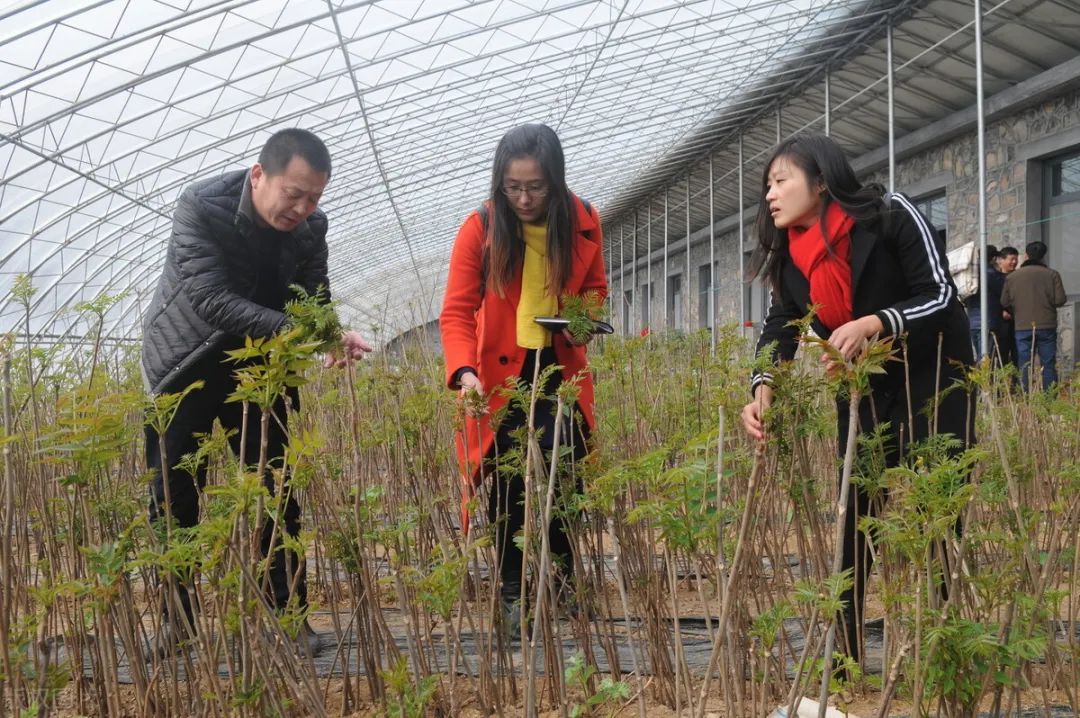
[533, 242]
[1032, 295]
[1008, 259]
[877, 269]
[995, 281]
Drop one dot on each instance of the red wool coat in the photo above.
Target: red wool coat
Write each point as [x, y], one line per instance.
[481, 332]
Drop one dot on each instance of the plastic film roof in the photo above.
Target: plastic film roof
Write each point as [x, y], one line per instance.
[108, 109]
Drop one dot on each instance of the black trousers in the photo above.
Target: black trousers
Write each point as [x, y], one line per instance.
[1005, 337]
[196, 415]
[506, 497]
[888, 402]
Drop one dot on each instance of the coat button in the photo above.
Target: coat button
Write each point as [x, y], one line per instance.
[504, 360]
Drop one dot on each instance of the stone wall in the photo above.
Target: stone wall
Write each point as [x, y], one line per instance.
[953, 166]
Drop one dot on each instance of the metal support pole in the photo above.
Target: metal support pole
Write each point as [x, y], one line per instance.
[667, 310]
[612, 304]
[742, 247]
[686, 279]
[892, 106]
[634, 298]
[779, 125]
[980, 132]
[622, 277]
[712, 261]
[648, 267]
[828, 103]
[611, 266]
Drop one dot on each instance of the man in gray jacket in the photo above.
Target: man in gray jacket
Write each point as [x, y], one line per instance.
[238, 242]
[1032, 295]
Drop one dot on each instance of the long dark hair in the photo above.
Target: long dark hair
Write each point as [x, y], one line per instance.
[823, 161]
[504, 249]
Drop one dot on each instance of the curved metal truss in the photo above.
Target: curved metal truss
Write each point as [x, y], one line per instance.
[108, 108]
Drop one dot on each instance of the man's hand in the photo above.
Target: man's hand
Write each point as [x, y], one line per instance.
[1005, 315]
[850, 339]
[753, 414]
[353, 347]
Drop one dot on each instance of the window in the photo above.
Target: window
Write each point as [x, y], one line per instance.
[936, 209]
[1061, 214]
[755, 298]
[1065, 176]
[708, 286]
[674, 301]
[646, 305]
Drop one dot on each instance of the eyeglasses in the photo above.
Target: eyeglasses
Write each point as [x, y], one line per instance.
[517, 192]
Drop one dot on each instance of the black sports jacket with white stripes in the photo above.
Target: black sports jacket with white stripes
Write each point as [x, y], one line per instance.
[899, 272]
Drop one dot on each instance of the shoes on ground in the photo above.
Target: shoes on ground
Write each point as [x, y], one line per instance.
[307, 641]
[510, 613]
[172, 639]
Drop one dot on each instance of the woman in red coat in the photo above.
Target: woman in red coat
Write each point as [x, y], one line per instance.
[532, 243]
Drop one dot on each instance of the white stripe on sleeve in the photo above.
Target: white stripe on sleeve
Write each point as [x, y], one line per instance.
[934, 261]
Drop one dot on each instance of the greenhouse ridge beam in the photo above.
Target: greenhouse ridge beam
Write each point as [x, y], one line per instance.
[592, 66]
[287, 60]
[374, 145]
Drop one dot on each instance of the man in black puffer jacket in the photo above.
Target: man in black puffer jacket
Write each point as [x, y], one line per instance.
[238, 242]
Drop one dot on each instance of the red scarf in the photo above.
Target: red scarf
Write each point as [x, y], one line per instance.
[828, 272]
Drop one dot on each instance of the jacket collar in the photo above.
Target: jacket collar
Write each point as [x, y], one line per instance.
[245, 210]
[585, 222]
[863, 241]
[245, 214]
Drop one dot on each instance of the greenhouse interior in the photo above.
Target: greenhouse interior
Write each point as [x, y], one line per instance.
[554, 358]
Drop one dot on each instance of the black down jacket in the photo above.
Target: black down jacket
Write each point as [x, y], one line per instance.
[203, 298]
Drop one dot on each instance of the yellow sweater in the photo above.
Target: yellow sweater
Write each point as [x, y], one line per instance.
[536, 299]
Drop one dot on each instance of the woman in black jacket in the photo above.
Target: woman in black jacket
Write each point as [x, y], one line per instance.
[876, 270]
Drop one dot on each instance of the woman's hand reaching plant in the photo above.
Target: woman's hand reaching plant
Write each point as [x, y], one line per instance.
[850, 340]
[472, 393]
[753, 414]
